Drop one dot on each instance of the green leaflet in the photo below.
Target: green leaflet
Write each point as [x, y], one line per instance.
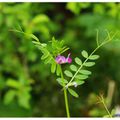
[61, 82]
[79, 82]
[73, 68]
[94, 57]
[9, 96]
[78, 61]
[44, 56]
[12, 83]
[48, 60]
[58, 71]
[24, 99]
[84, 54]
[53, 67]
[81, 77]
[68, 73]
[34, 37]
[89, 64]
[73, 93]
[85, 72]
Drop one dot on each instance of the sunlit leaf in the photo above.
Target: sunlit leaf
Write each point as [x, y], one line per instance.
[12, 83]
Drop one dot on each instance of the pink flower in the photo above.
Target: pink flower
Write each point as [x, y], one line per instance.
[61, 59]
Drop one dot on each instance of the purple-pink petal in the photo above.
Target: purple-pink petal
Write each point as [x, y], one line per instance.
[61, 59]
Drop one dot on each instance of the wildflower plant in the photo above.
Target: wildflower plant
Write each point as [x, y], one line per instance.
[77, 73]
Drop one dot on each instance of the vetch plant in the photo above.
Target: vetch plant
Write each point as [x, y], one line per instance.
[77, 73]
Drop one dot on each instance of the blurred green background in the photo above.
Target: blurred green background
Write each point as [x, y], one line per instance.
[27, 88]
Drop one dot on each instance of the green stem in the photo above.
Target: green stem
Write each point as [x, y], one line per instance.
[65, 97]
[107, 109]
[103, 102]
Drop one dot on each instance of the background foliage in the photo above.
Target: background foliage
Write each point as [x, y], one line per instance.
[27, 88]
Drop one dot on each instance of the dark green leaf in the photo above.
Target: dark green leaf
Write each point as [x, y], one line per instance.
[73, 68]
[78, 61]
[23, 99]
[73, 93]
[84, 54]
[68, 73]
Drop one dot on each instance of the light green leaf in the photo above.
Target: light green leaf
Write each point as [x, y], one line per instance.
[61, 82]
[78, 61]
[94, 57]
[58, 71]
[79, 82]
[85, 72]
[89, 64]
[34, 37]
[48, 60]
[44, 56]
[13, 83]
[84, 54]
[73, 68]
[73, 93]
[81, 77]
[68, 73]
[9, 96]
[53, 67]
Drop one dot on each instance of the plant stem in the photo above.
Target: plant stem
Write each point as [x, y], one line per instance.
[107, 109]
[103, 102]
[65, 97]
